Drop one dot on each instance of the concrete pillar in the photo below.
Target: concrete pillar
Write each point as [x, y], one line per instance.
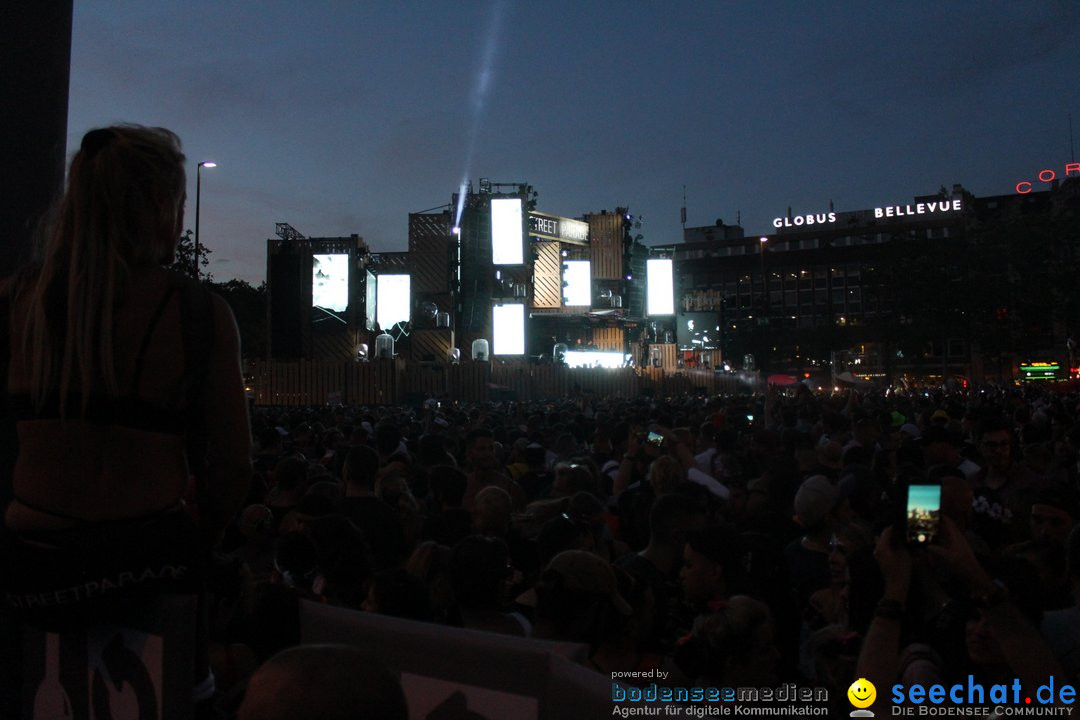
[35, 52]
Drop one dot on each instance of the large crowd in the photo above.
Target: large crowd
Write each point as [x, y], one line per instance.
[727, 541]
[730, 541]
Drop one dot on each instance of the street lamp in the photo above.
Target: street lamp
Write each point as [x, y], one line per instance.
[198, 192]
[764, 282]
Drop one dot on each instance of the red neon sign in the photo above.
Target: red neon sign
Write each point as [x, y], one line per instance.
[1048, 176]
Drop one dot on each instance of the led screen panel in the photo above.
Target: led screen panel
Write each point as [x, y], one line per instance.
[595, 358]
[698, 331]
[507, 244]
[392, 300]
[660, 288]
[577, 274]
[330, 282]
[508, 329]
[370, 299]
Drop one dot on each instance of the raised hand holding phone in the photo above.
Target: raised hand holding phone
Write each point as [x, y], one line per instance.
[922, 514]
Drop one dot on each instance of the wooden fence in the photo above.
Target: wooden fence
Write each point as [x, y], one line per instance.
[382, 382]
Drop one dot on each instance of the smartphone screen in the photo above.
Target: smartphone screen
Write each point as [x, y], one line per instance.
[656, 438]
[923, 513]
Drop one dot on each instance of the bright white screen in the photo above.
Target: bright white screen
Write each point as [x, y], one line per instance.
[392, 300]
[506, 237]
[578, 275]
[508, 329]
[330, 282]
[660, 287]
[370, 299]
[595, 358]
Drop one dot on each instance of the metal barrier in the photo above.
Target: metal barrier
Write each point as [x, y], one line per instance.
[307, 383]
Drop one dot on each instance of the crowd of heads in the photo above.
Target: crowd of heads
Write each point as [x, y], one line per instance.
[732, 541]
[729, 540]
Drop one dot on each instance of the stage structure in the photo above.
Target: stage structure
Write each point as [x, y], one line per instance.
[388, 307]
[487, 278]
[317, 295]
[543, 286]
[431, 259]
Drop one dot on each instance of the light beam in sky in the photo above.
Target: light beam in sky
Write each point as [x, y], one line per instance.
[485, 80]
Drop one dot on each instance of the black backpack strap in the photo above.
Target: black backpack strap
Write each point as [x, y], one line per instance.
[5, 342]
[9, 439]
[197, 333]
[140, 359]
[197, 329]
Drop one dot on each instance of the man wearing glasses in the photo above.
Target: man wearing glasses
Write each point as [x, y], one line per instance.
[1008, 488]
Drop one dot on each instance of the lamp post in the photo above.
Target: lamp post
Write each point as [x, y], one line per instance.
[763, 319]
[198, 193]
[764, 280]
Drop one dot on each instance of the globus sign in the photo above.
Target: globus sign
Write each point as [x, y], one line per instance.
[800, 220]
[1048, 176]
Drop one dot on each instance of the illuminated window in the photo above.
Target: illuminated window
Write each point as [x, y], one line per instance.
[508, 329]
[660, 284]
[595, 358]
[370, 299]
[507, 246]
[392, 300]
[330, 282]
[577, 275]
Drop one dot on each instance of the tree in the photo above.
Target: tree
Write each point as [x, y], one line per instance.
[248, 304]
[185, 257]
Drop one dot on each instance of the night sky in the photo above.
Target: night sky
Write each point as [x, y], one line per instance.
[343, 117]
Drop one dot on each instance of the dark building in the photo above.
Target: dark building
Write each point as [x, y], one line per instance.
[946, 285]
[316, 289]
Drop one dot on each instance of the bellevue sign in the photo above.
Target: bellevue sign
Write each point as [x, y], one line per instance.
[918, 209]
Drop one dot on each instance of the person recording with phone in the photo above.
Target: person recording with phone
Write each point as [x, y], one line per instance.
[993, 620]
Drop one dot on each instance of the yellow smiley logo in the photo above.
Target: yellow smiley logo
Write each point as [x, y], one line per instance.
[862, 693]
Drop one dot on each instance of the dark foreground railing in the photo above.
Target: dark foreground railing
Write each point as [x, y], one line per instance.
[382, 382]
